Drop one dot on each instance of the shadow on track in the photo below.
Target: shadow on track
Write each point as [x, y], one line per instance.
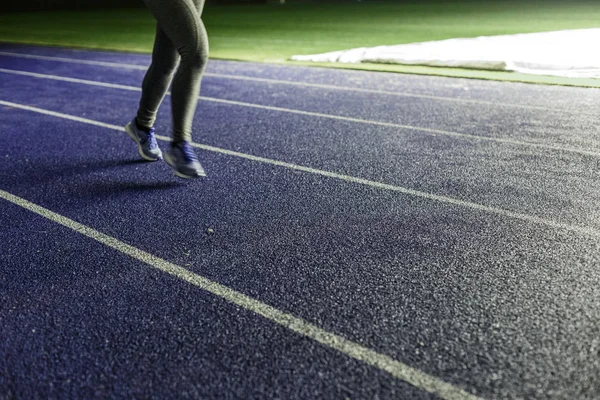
[92, 177]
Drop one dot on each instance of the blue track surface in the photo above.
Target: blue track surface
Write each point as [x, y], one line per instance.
[493, 287]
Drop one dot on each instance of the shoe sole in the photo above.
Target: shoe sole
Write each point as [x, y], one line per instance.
[134, 137]
[179, 174]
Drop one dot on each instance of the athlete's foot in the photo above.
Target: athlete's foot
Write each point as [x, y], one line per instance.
[182, 158]
[147, 146]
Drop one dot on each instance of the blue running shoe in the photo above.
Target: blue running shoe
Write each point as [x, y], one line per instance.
[147, 146]
[182, 158]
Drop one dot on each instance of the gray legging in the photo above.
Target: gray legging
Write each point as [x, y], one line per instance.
[180, 36]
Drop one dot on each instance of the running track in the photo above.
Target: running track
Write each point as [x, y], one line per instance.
[360, 235]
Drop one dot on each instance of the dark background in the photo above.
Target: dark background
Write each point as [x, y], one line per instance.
[37, 5]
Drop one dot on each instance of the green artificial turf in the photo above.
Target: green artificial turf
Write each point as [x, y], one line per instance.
[272, 32]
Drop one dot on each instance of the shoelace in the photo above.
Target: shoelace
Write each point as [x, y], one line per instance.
[152, 139]
[189, 152]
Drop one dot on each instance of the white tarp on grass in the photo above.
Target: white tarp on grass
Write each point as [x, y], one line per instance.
[569, 53]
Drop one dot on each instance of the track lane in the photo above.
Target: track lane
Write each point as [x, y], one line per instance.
[471, 286]
[555, 187]
[81, 320]
[274, 244]
[553, 128]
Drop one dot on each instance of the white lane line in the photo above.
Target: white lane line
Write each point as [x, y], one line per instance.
[395, 368]
[293, 83]
[386, 92]
[582, 230]
[74, 61]
[321, 115]
[72, 80]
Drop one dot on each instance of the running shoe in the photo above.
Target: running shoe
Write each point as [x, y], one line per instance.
[184, 161]
[146, 141]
